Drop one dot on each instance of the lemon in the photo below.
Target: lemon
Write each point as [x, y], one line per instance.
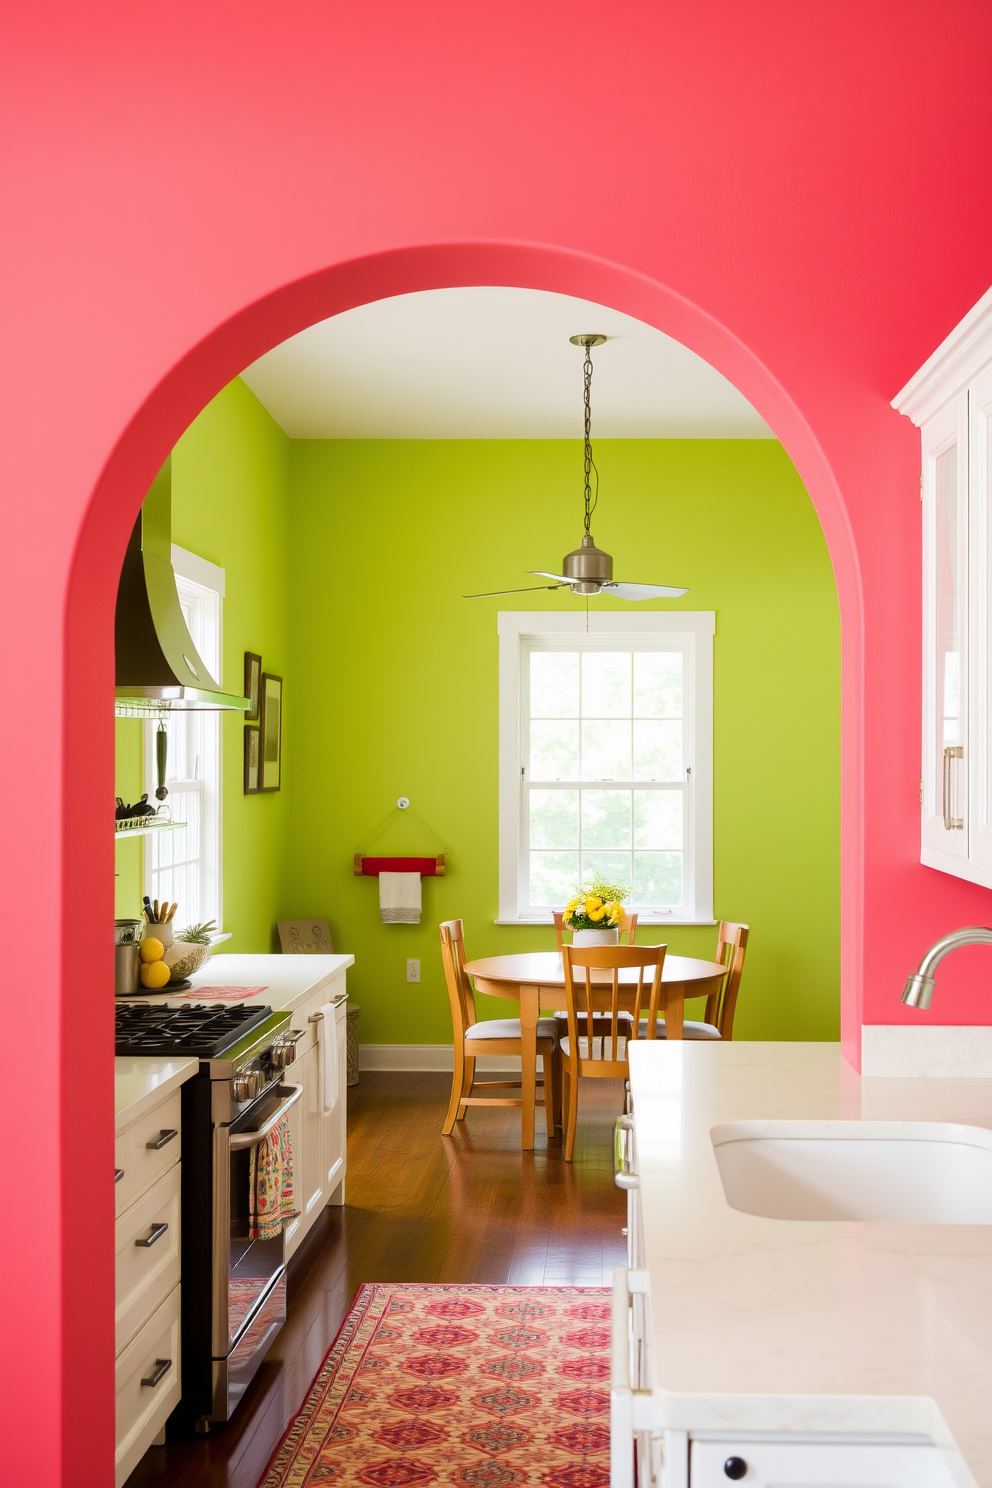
[151, 949]
[155, 974]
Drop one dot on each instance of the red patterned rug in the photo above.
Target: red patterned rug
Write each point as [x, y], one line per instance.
[472, 1386]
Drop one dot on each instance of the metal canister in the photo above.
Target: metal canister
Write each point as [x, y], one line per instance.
[127, 961]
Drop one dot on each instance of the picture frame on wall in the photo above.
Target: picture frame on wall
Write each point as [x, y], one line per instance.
[253, 736]
[253, 678]
[270, 724]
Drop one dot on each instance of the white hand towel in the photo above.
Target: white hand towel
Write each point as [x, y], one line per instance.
[399, 898]
[328, 1046]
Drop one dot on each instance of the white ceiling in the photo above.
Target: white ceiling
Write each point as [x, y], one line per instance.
[492, 363]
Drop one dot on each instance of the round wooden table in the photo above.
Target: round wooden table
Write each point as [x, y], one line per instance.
[536, 979]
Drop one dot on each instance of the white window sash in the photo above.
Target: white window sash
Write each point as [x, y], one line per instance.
[521, 631]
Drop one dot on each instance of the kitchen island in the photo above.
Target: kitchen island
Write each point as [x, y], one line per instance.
[800, 1331]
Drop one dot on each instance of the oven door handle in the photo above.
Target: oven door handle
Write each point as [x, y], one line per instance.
[240, 1140]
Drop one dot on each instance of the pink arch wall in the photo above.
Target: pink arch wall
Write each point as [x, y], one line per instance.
[791, 190]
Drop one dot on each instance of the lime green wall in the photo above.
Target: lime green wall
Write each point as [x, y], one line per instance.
[395, 691]
[230, 504]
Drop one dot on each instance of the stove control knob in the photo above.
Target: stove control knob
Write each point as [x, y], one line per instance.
[247, 1084]
[283, 1054]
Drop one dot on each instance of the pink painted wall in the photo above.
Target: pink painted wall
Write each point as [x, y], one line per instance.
[798, 192]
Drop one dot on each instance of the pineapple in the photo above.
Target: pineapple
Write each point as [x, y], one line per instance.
[189, 950]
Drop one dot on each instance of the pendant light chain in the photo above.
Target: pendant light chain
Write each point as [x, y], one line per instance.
[587, 463]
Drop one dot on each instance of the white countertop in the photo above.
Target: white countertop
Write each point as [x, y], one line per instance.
[287, 981]
[140, 1084]
[801, 1326]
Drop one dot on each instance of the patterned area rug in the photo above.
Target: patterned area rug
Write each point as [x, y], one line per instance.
[473, 1386]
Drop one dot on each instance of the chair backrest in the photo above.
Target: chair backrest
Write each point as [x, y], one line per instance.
[731, 944]
[460, 993]
[586, 995]
[628, 924]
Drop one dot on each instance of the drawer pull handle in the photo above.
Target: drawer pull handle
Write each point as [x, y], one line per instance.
[735, 1467]
[162, 1367]
[158, 1230]
[316, 1018]
[165, 1136]
[624, 1175]
[118, 1174]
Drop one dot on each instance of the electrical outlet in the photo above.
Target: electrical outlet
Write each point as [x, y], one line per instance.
[412, 969]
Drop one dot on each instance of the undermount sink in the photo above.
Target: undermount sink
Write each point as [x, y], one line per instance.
[894, 1172]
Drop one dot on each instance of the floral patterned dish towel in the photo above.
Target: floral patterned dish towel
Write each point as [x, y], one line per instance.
[271, 1183]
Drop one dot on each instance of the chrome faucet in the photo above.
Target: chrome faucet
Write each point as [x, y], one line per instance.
[919, 986]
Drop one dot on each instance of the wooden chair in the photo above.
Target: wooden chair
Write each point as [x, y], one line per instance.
[627, 926]
[495, 1036]
[731, 944]
[604, 1055]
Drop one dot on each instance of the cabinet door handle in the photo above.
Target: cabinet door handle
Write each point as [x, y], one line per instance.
[164, 1137]
[118, 1174]
[158, 1230]
[624, 1175]
[951, 823]
[162, 1367]
[316, 1018]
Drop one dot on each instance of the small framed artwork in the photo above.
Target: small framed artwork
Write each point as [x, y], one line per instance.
[252, 761]
[270, 723]
[253, 677]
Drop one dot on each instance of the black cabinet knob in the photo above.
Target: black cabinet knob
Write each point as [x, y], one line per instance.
[735, 1467]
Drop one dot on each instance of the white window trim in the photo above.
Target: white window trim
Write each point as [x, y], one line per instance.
[207, 575]
[518, 626]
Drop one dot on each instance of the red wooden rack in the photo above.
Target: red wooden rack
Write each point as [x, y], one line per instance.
[426, 867]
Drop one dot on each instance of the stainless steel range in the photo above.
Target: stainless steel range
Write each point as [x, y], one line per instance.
[233, 1287]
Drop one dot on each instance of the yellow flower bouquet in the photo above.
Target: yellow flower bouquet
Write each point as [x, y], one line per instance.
[597, 906]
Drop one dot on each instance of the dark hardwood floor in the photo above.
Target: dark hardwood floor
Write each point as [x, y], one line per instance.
[421, 1207]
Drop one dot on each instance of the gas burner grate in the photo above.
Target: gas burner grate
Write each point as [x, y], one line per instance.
[201, 1028]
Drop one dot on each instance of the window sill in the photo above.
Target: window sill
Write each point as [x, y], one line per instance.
[641, 920]
[222, 935]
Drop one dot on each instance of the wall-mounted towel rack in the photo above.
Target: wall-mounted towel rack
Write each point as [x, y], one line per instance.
[369, 867]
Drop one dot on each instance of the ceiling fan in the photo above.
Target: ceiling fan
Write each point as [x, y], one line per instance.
[587, 569]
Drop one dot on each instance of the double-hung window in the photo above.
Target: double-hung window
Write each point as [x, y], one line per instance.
[606, 755]
[185, 865]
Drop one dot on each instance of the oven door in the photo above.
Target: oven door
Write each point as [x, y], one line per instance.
[248, 1275]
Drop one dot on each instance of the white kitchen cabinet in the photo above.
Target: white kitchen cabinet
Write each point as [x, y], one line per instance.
[149, 1382]
[817, 1464]
[950, 400]
[319, 1137]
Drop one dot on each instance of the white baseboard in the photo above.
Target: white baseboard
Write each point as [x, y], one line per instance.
[439, 1057]
[929, 1051]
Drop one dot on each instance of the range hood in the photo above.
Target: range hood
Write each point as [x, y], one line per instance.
[159, 670]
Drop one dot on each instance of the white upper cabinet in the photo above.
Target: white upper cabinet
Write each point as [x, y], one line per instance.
[950, 401]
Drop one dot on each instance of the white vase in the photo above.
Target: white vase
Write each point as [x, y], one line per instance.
[595, 937]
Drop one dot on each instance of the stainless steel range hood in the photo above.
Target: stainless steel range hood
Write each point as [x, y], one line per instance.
[159, 669]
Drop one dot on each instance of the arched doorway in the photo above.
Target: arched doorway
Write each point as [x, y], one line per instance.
[88, 743]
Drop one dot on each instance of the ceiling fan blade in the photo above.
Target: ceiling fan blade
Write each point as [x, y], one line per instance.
[539, 573]
[642, 591]
[528, 589]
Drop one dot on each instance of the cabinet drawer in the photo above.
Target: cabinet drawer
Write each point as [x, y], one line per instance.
[122, 1178]
[142, 1408]
[817, 1465]
[147, 1255]
[153, 1145]
[301, 1017]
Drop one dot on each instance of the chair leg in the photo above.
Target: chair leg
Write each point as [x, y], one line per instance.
[457, 1090]
[552, 1090]
[468, 1080]
[572, 1118]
